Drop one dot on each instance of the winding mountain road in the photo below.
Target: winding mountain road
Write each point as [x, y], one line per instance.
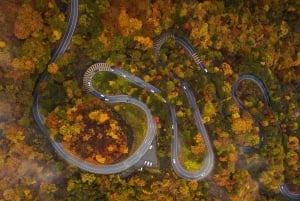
[147, 144]
[208, 163]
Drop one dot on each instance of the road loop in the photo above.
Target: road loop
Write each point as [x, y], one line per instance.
[145, 155]
[208, 163]
[237, 99]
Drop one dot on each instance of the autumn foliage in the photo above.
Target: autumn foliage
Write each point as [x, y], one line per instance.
[230, 37]
[89, 130]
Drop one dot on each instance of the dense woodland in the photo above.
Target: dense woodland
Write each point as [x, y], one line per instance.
[232, 38]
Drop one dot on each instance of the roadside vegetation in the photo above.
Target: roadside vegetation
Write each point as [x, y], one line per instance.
[232, 38]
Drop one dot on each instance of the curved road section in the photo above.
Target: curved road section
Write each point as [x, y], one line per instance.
[63, 45]
[108, 169]
[283, 187]
[148, 144]
[160, 40]
[257, 81]
[208, 164]
[151, 125]
[267, 99]
[286, 192]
